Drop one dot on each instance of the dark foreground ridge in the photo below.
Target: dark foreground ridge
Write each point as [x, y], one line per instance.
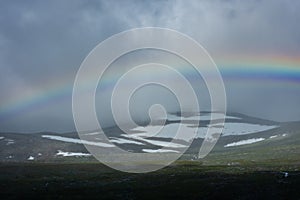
[182, 180]
[34, 166]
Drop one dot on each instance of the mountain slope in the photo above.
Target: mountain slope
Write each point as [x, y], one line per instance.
[244, 140]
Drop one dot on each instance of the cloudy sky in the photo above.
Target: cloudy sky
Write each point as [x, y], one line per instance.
[42, 44]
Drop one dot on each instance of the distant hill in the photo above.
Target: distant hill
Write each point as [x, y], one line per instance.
[244, 139]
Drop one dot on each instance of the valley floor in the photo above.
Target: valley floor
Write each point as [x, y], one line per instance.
[182, 180]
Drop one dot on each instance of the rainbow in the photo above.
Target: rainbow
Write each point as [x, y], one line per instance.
[280, 68]
[238, 68]
[41, 99]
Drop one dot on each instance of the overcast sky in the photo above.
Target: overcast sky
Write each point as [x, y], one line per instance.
[42, 44]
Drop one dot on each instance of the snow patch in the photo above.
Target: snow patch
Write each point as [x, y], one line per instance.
[170, 130]
[206, 117]
[154, 142]
[243, 142]
[9, 141]
[160, 151]
[275, 136]
[244, 128]
[69, 154]
[93, 133]
[124, 141]
[167, 131]
[77, 141]
[30, 158]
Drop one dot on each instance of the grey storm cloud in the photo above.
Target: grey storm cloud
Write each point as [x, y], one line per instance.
[45, 41]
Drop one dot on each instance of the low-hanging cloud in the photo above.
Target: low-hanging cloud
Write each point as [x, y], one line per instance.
[42, 45]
